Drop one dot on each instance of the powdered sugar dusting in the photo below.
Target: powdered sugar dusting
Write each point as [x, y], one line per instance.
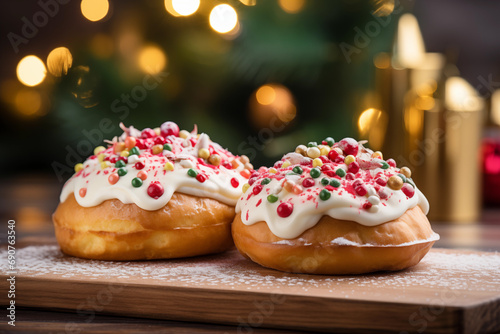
[460, 276]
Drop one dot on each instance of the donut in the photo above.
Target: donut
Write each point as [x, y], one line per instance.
[333, 208]
[152, 194]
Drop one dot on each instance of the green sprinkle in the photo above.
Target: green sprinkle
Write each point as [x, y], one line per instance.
[298, 170]
[191, 172]
[335, 183]
[410, 181]
[134, 151]
[265, 181]
[330, 141]
[167, 147]
[325, 181]
[120, 163]
[291, 173]
[122, 172]
[312, 144]
[272, 198]
[385, 165]
[324, 194]
[315, 173]
[136, 182]
[402, 177]
[340, 172]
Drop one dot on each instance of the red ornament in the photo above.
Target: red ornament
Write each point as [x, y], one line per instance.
[155, 190]
[235, 183]
[408, 190]
[285, 209]
[333, 154]
[169, 129]
[148, 133]
[349, 146]
[201, 178]
[391, 162]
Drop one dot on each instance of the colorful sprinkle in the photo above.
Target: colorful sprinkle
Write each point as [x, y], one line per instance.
[272, 170]
[139, 165]
[308, 182]
[184, 134]
[105, 164]
[203, 153]
[272, 198]
[214, 159]
[121, 172]
[408, 190]
[317, 162]
[124, 153]
[155, 190]
[286, 163]
[82, 192]
[297, 189]
[385, 165]
[201, 178]
[130, 142]
[134, 151]
[285, 209]
[405, 171]
[78, 167]
[402, 177]
[265, 181]
[245, 187]
[391, 162]
[191, 172]
[168, 166]
[113, 178]
[349, 146]
[157, 149]
[167, 147]
[335, 183]
[329, 141]
[120, 163]
[99, 149]
[297, 170]
[234, 182]
[257, 189]
[349, 159]
[301, 149]
[353, 167]
[136, 182]
[142, 175]
[245, 173]
[312, 144]
[324, 195]
[100, 157]
[325, 181]
[315, 172]
[324, 150]
[340, 172]
[395, 182]
[377, 155]
[313, 152]
[118, 147]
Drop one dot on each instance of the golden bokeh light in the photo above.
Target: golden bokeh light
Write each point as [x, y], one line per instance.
[292, 6]
[59, 61]
[372, 125]
[170, 8]
[28, 101]
[94, 10]
[249, 2]
[152, 59]
[382, 7]
[31, 70]
[265, 95]
[382, 60]
[185, 7]
[223, 18]
[495, 107]
[102, 46]
[272, 104]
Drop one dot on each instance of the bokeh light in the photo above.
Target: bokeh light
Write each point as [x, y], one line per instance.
[152, 59]
[170, 8]
[272, 104]
[59, 61]
[495, 107]
[292, 6]
[249, 2]
[31, 70]
[185, 7]
[372, 125]
[28, 101]
[223, 18]
[94, 10]
[383, 7]
[102, 46]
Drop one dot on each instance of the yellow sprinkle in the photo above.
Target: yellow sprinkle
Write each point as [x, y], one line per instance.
[285, 164]
[78, 167]
[168, 166]
[100, 157]
[104, 164]
[245, 187]
[324, 149]
[203, 153]
[377, 155]
[124, 153]
[98, 149]
[156, 149]
[272, 170]
[317, 162]
[349, 159]
[157, 131]
[184, 134]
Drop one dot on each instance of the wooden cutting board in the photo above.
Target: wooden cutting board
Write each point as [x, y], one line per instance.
[450, 291]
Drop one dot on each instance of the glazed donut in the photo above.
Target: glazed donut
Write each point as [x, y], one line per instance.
[333, 208]
[151, 194]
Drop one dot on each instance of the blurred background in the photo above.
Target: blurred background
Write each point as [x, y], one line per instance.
[418, 79]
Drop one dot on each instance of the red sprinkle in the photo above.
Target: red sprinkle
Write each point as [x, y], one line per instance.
[159, 140]
[227, 165]
[308, 182]
[333, 155]
[391, 162]
[155, 190]
[349, 146]
[408, 190]
[148, 133]
[201, 178]
[139, 165]
[252, 180]
[142, 175]
[367, 205]
[285, 209]
[350, 176]
[381, 181]
[82, 192]
[245, 173]
[257, 189]
[234, 182]
[353, 167]
[361, 190]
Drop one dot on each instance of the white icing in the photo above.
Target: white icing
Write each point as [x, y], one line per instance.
[308, 208]
[98, 189]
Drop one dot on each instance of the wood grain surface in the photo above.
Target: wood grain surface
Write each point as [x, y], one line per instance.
[450, 291]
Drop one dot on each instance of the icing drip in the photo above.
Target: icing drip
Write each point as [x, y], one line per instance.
[150, 177]
[313, 187]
